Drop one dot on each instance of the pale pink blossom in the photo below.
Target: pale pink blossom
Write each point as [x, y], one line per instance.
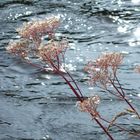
[89, 105]
[36, 29]
[19, 47]
[53, 51]
[104, 68]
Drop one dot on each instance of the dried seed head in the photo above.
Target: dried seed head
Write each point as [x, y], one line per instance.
[36, 29]
[19, 47]
[89, 105]
[108, 60]
[52, 50]
[112, 60]
[104, 68]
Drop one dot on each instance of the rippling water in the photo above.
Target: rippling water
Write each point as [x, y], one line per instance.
[38, 105]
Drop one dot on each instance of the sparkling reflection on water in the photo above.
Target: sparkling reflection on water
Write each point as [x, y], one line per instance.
[37, 105]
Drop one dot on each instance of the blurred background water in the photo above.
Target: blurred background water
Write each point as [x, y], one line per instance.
[39, 105]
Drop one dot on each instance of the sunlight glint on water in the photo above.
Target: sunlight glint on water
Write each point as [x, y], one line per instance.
[35, 104]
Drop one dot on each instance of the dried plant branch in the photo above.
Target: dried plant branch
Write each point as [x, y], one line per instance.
[120, 127]
[116, 117]
[126, 100]
[103, 71]
[90, 105]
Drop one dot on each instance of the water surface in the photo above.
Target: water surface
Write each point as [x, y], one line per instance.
[38, 105]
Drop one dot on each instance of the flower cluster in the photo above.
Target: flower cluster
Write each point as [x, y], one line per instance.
[18, 48]
[104, 68]
[53, 51]
[36, 29]
[89, 105]
[31, 43]
[106, 61]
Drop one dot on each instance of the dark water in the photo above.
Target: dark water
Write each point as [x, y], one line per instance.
[38, 105]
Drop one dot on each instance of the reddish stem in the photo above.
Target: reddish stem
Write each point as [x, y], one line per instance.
[75, 83]
[104, 129]
[80, 98]
[70, 85]
[119, 85]
[132, 107]
[122, 95]
[123, 129]
[72, 88]
[58, 61]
